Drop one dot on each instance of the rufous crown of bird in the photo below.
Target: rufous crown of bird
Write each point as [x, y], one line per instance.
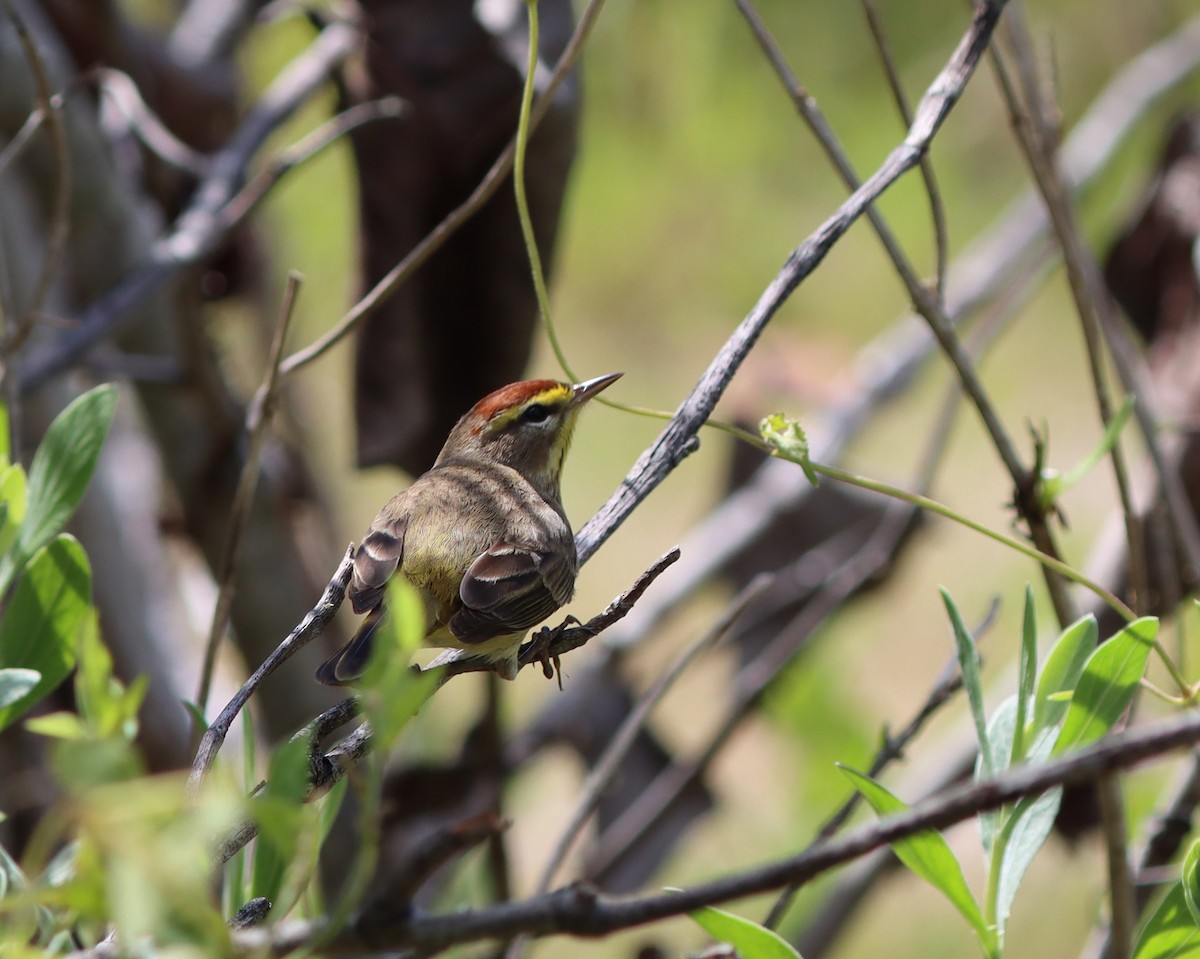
[482, 536]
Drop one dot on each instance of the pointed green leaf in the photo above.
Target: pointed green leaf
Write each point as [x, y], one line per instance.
[43, 620]
[1171, 932]
[751, 940]
[968, 662]
[1060, 673]
[1026, 677]
[15, 684]
[928, 855]
[1110, 678]
[59, 474]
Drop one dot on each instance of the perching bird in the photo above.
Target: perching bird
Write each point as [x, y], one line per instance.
[482, 535]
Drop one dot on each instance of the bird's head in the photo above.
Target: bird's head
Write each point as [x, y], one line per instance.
[526, 426]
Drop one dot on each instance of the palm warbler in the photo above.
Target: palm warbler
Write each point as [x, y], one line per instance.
[482, 535]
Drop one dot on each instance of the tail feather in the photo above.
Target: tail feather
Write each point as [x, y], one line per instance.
[350, 662]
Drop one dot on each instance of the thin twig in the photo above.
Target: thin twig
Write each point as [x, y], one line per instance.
[258, 416]
[147, 127]
[1036, 138]
[21, 139]
[937, 209]
[565, 638]
[1174, 825]
[309, 628]
[325, 769]
[579, 910]
[1122, 911]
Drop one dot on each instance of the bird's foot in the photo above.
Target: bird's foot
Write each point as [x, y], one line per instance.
[542, 643]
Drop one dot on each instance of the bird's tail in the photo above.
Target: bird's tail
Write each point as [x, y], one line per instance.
[350, 662]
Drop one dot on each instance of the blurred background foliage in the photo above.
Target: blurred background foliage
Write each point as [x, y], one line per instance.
[694, 180]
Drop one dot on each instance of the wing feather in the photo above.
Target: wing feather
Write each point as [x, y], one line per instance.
[508, 589]
[378, 557]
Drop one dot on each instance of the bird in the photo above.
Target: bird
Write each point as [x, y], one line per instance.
[482, 535]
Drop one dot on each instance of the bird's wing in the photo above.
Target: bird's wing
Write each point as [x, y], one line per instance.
[508, 589]
[382, 550]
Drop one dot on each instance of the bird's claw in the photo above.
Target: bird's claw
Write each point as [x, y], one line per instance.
[542, 642]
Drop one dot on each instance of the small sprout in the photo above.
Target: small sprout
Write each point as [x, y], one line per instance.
[788, 440]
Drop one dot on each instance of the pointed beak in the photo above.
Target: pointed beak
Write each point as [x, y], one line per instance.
[588, 388]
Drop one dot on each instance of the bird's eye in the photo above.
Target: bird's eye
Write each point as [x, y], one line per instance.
[535, 413]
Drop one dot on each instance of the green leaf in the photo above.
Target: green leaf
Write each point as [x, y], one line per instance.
[751, 940]
[1022, 835]
[1053, 485]
[1171, 932]
[968, 662]
[1026, 678]
[1110, 678]
[44, 618]
[1061, 671]
[1190, 880]
[15, 684]
[60, 472]
[788, 441]
[928, 855]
